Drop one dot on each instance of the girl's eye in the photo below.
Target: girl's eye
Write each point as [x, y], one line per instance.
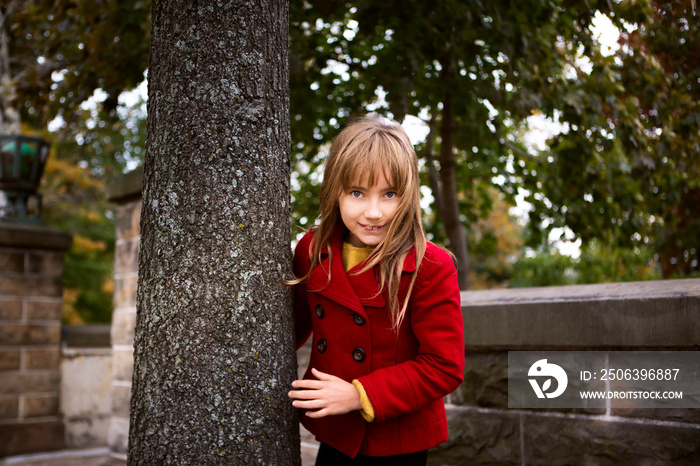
[390, 195]
[355, 193]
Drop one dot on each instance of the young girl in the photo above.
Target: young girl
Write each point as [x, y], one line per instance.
[383, 306]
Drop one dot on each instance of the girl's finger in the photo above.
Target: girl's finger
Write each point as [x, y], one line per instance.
[316, 414]
[310, 404]
[304, 394]
[308, 384]
[322, 375]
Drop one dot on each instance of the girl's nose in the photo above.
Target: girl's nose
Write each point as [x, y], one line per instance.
[373, 211]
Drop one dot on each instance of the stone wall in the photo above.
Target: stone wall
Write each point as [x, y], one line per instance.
[661, 315]
[31, 268]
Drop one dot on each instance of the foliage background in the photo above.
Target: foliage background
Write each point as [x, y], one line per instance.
[621, 175]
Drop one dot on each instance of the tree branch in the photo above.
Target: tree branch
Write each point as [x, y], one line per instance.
[519, 152]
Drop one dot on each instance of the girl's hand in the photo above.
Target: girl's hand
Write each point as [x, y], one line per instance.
[327, 396]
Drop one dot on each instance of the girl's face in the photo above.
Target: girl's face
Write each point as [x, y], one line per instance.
[367, 211]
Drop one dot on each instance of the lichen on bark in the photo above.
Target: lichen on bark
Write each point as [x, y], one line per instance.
[214, 349]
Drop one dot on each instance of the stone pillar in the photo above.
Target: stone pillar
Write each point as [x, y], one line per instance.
[31, 290]
[124, 191]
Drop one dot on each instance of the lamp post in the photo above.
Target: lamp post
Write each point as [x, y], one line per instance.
[22, 161]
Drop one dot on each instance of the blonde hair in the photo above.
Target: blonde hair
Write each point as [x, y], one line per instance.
[365, 148]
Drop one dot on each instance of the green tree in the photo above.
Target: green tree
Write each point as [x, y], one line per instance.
[597, 263]
[86, 151]
[626, 171]
[471, 70]
[79, 206]
[546, 268]
[61, 51]
[53, 57]
[474, 72]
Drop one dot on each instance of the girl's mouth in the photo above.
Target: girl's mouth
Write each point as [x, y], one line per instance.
[372, 227]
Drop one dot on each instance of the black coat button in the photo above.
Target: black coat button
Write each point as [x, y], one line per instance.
[358, 354]
[319, 311]
[321, 345]
[359, 320]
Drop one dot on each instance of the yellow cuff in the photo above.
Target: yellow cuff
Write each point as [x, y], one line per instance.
[367, 411]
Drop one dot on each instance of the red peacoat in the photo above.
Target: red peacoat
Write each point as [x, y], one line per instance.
[405, 375]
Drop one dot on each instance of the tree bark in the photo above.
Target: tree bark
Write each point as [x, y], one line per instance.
[214, 348]
[450, 201]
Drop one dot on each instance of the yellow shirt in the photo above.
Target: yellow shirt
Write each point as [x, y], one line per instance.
[352, 255]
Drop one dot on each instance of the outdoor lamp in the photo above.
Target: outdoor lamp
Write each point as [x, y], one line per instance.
[22, 161]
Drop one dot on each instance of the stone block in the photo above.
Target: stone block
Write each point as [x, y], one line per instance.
[10, 360]
[36, 382]
[9, 408]
[125, 188]
[522, 395]
[11, 262]
[685, 415]
[87, 336]
[86, 402]
[126, 255]
[86, 385]
[485, 381]
[682, 379]
[125, 291]
[39, 406]
[44, 310]
[129, 220]
[613, 315]
[123, 327]
[118, 434]
[121, 400]
[27, 334]
[479, 437]
[46, 263]
[10, 309]
[29, 236]
[85, 432]
[42, 359]
[31, 286]
[31, 437]
[122, 365]
[578, 440]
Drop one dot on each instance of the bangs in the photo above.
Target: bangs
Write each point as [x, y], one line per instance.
[367, 156]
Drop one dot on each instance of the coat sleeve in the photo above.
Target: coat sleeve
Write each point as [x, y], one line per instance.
[436, 321]
[302, 316]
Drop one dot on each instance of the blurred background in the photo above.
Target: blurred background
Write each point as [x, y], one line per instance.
[558, 140]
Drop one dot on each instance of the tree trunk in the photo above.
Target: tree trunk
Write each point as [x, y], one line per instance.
[450, 201]
[433, 176]
[9, 115]
[214, 348]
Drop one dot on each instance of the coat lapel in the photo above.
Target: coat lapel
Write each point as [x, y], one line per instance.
[366, 287]
[339, 289]
[352, 290]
